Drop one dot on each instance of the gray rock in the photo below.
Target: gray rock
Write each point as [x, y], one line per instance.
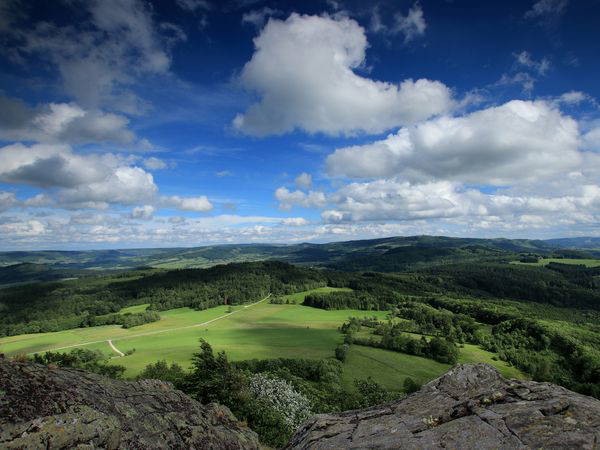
[42, 407]
[469, 407]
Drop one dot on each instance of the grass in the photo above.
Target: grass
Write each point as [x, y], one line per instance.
[423, 369]
[471, 354]
[298, 297]
[388, 368]
[134, 309]
[545, 261]
[261, 331]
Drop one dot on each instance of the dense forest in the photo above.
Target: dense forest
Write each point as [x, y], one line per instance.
[57, 306]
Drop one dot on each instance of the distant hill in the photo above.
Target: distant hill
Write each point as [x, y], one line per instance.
[31, 272]
[390, 254]
[587, 243]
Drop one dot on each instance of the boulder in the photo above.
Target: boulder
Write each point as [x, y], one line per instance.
[46, 407]
[469, 407]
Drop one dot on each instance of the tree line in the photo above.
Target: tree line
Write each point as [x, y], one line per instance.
[389, 336]
[46, 307]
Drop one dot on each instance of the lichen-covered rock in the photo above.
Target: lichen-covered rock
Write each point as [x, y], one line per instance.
[42, 407]
[470, 407]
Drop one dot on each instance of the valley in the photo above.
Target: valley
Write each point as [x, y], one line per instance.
[255, 331]
[368, 323]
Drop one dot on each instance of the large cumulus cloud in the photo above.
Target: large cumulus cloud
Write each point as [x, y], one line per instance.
[304, 71]
[516, 141]
[63, 123]
[73, 180]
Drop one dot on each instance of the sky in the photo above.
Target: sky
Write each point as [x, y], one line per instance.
[130, 123]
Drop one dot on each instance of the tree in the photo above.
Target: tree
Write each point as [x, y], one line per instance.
[214, 379]
[160, 370]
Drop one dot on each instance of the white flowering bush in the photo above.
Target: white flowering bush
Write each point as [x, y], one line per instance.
[281, 397]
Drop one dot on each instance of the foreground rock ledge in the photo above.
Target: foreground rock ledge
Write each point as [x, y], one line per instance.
[470, 407]
[41, 407]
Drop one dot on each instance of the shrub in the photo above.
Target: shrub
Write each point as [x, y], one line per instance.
[281, 397]
[411, 385]
[341, 351]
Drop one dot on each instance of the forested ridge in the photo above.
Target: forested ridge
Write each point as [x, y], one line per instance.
[390, 254]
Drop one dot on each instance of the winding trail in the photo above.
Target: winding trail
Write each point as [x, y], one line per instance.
[115, 348]
[149, 333]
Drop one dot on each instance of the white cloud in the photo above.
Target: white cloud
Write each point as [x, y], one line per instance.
[154, 163]
[412, 25]
[287, 198]
[229, 220]
[397, 200]
[514, 142]
[547, 12]
[526, 81]
[193, 5]
[258, 17]
[64, 229]
[89, 181]
[304, 180]
[54, 165]
[223, 173]
[303, 71]
[86, 180]
[591, 139]
[573, 97]
[295, 221]
[145, 212]
[524, 59]
[28, 228]
[7, 200]
[125, 185]
[376, 25]
[110, 229]
[197, 204]
[62, 123]
[39, 201]
[100, 59]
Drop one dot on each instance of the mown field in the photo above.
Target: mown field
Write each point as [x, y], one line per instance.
[545, 261]
[260, 331]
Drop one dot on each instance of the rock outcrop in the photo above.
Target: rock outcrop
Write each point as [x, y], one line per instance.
[470, 407]
[42, 407]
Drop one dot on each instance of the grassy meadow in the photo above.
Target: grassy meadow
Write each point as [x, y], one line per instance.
[260, 331]
[545, 261]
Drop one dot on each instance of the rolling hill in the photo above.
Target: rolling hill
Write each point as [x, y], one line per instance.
[393, 254]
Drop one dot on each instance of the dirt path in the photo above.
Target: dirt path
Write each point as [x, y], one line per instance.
[115, 348]
[149, 333]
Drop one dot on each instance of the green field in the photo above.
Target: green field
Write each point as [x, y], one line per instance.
[545, 261]
[261, 331]
[298, 297]
[134, 309]
[388, 368]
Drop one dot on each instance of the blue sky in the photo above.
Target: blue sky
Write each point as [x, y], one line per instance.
[129, 123]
